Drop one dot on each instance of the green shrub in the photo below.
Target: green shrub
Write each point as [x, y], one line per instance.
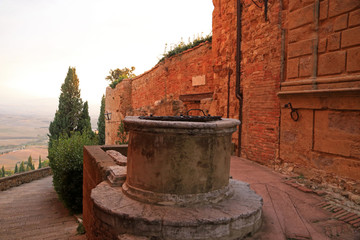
[181, 46]
[66, 162]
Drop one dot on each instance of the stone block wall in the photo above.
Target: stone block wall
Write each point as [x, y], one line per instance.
[322, 81]
[25, 177]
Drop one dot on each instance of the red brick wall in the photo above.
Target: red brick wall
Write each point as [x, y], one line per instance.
[158, 90]
[96, 168]
[174, 77]
[260, 74]
[306, 53]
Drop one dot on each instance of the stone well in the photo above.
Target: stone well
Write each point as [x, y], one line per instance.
[177, 185]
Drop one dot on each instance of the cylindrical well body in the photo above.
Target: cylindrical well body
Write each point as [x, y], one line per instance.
[170, 158]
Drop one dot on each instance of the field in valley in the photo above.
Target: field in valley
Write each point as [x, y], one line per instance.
[22, 136]
[8, 160]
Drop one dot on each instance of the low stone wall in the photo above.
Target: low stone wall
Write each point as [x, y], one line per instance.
[20, 178]
[96, 169]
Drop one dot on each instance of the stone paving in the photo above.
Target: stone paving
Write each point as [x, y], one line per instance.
[33, 211]
[292, 212]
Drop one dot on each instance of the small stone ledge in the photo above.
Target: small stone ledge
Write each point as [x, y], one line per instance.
[25, 177]
[119, 158]
[117, 175]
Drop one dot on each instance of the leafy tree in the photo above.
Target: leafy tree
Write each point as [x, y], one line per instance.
[117, 75]
[22, 167]
[101, 122]
[16, 169]
[39, 162]
[84, 124]
[45, 163]
[69, 110]
[67, 166]
[3, 171]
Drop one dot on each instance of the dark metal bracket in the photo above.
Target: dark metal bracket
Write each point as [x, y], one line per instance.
[258, 4]
[197, 109]
[294, 113]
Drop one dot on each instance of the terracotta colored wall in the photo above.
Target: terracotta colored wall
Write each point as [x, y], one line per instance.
[322, 80]
[174, 77]
[170, 88]
[306, 53]
[260, 74]
[118, 103]
[96, 168]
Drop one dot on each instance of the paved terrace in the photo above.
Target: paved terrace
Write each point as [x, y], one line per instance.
[33, 211]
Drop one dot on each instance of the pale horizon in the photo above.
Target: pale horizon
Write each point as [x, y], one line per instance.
[41, 39]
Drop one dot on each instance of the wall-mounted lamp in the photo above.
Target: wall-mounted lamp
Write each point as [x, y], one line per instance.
[108, 115]
[258, 4]
[294, 113]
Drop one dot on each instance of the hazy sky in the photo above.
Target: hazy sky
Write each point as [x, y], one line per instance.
[40, 39]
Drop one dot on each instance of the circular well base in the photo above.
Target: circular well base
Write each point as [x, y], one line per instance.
[232, 218]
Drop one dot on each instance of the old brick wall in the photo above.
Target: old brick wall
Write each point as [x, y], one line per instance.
[322, 81]
[118, 103]
[172, 87]
[175, 76]
[95, 170]
[307, 53]
[260, 74]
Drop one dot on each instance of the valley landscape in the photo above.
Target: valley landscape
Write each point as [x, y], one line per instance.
[22, 136]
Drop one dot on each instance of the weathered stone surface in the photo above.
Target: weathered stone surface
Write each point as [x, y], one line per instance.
[350, 37]
[178, 158]
[354, 18]
[337, 7]
[118, 157]
[131, 237]
[232, 218]
[332, 63]
[117, 175]
[353, 62]
[20, 178]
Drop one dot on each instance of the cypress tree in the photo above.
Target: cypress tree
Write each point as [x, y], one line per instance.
[3, 171]
[101, 122]
[69, 109]
[84, 124]
[22, 167]
[30, 164]
[39, 162]
[16, 169]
